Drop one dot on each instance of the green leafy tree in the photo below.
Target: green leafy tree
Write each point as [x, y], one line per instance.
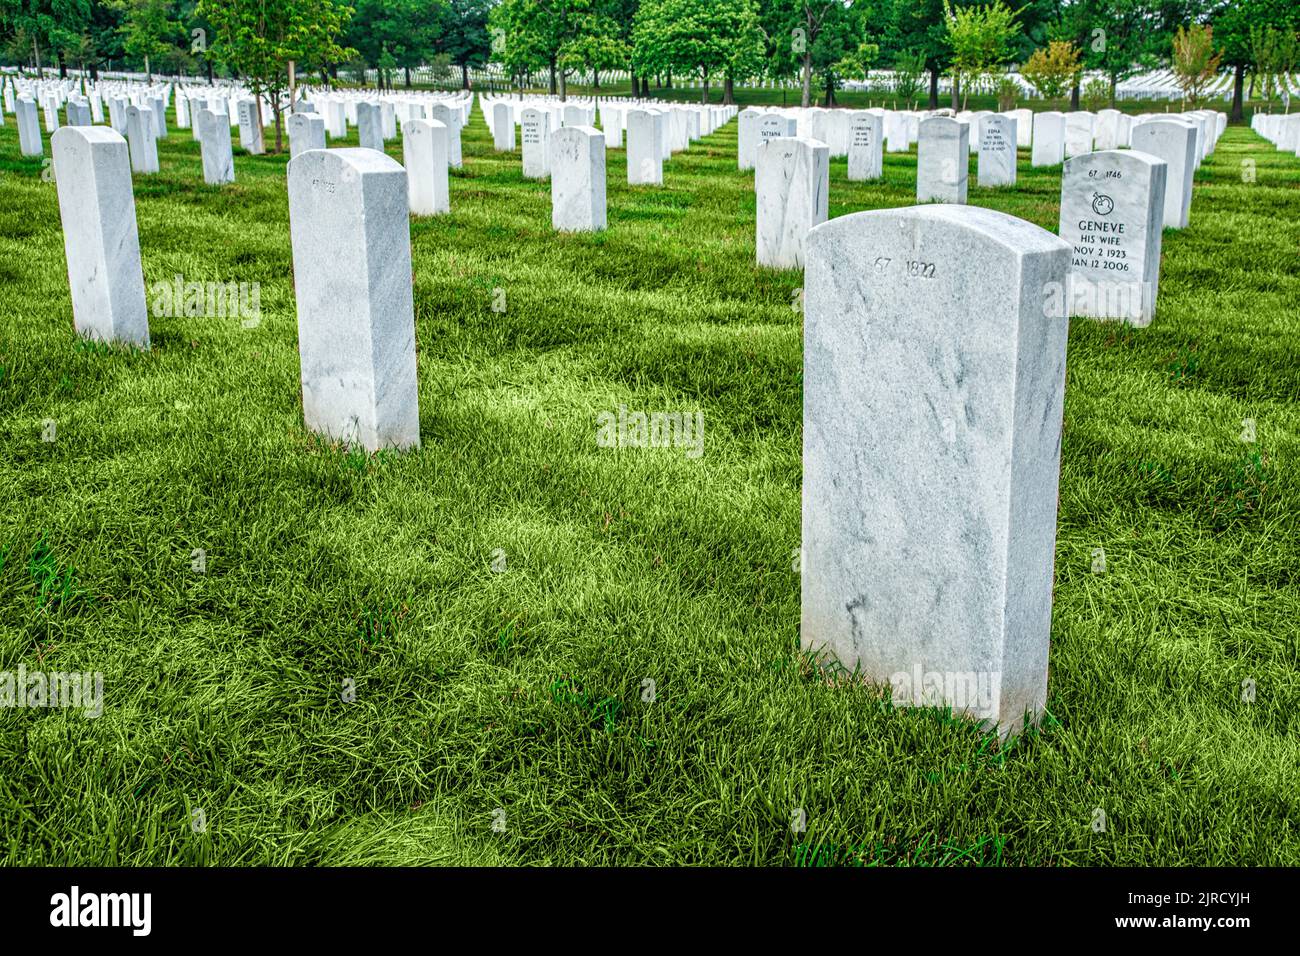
[1054, 69]
[810, 37]
[909, 68]
[46, 26]
[150, 29]
[704, 38]
[981, 40]
[841, 51]
[597, 46]
[1195, 61]
[392, 34]
[463, 36]
[1255, 36]
[919, 28]
[534, 34]
[259, 38]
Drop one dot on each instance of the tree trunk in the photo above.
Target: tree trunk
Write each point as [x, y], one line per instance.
[806, 100]
[704, 96]
[275, 108]
[36, 51]
[564, 85]
[1238, 81]
[668, 82]
[728, 91]
[1114, 82]
[148, 74]
[408, 76]
[63, 68]
[934, 88]
[209, 65]
[1074, 96]
[552, 77]
[464, 75]
[595, 80]
[830, 91]
[956, 90]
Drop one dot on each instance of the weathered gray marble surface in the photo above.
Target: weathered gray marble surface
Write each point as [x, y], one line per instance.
[424, 152]
[792, 184]
[1112, 215]
[97, 208]
[352, 281]
[942, 160]
[578, 179]
[933, 387]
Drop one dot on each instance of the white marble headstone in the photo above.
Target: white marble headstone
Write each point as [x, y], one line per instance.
[866, 146]
[306, 131]
[645, 162]
[139, 135]
[503, 128]
[535, 132]
[942, 160]
[997, 150]
[348, 222]
[214, 145]
[1049, 139]
[1175, 142]
[578, 179]
[792, 185]
[424, 153]
[370, 131]
[97, 207]
[1112, 216]
[1078, 133]
[933, 389]
[29, 127]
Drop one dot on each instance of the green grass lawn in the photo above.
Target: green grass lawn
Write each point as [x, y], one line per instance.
[524, 689]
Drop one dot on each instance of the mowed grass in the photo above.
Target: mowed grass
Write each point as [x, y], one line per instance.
[518, 697]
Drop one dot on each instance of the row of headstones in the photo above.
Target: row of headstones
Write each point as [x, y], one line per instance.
[1051, 136]
[1283, 131]
[1115, 204]
[652, 134]
[93, 170]
[931, 455]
